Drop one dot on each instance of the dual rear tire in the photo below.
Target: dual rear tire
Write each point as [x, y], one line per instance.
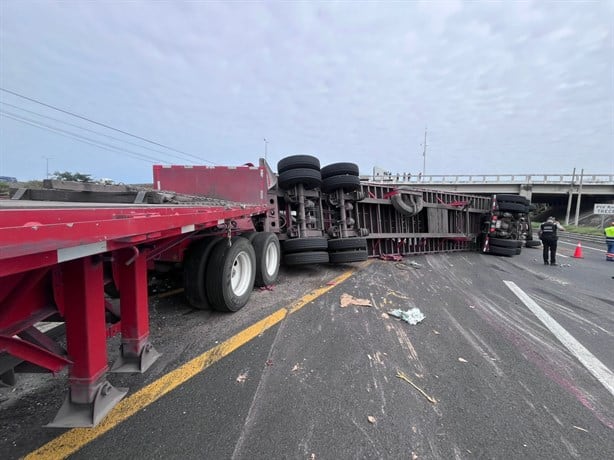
[221, 276]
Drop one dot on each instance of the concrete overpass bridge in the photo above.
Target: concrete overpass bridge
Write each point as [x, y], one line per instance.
[536, 187]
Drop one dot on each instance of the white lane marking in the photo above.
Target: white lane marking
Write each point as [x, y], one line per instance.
[594, 366]
[583, 247]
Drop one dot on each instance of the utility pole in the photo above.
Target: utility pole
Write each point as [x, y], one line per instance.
[266, 143]
[47, 166]
[424, 155]
[579, 197]
[570, 193]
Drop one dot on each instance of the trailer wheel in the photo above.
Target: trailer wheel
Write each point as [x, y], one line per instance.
[532, 243]
[339, 169]
[303, 258]
[304, 245]
[499, 251]
[518, 251]
[310, 178]
[342, 244]
[343, 257]
[345, 181]
[298, 161]
[268, 257]
[230, 274]
[195, 272]
[505, 243]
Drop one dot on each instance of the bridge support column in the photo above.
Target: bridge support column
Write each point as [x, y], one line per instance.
[526, 190]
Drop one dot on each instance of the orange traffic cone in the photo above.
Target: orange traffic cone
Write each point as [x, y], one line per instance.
[578, 252]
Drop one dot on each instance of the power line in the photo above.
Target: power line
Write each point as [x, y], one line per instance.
[94, 131]
[102, 124]
[61, 132]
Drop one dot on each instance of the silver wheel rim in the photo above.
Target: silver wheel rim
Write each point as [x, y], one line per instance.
[271, 258]
[241, 274]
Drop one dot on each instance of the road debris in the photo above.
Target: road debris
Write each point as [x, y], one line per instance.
[331, 283]
[462, 360]
[385, 315]
[412, 316]
[406, 266]
[581, 429]
[347, 300]
[268, 362]
[435, 332]
[297, 367]
[402, 376]
[242, 377]
[266, 288]
[372, 420]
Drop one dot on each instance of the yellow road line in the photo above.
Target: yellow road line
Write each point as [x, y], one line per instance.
[76, 438]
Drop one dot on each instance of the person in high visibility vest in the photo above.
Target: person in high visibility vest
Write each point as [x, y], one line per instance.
[548, 234]
[609, 241]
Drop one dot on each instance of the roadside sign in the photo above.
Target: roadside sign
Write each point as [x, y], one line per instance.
[604, 208]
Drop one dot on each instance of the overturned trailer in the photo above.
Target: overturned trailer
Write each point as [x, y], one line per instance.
[66, 251]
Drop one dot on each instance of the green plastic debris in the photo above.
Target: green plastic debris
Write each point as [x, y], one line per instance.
[412, 316]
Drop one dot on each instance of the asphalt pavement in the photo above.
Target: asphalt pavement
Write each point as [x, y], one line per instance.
[489, 374]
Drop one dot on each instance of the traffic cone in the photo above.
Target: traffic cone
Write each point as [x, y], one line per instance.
[578, 252]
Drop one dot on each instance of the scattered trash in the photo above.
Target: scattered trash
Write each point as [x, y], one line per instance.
[402, 376]
[347, 300]
[266, 288]
[385, 315]
[581, 429]
[471, 306]
[331, 283]
[435, 332]
[242, 377]
[463, 360]
[313, 457]
[372, 420]
[405, 266]
[297, 367]
[414, 456]
[412, 316]
[268, 362]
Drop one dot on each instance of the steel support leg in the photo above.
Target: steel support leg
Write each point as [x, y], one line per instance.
[90, 396]
[137, 352]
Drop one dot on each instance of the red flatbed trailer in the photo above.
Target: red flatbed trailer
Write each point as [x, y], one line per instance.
[51, 263]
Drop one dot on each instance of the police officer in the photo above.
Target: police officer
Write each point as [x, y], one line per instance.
[548, 235]
[609, 240]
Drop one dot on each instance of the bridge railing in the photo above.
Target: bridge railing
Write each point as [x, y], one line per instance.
[406, 178]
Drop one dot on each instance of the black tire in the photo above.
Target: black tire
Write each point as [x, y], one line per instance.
[304, 245]
[499, 251]
[533, 243]
[298, 161]
[518, 251]
[268, 258]
[226, 263]
[346, 182]
[512, 199]
[303, 258]
[249, 236]
[504, 243]
[195, 272]
[310, 178]
[348, 256]
[508, 206]
[339, 169]
[342, 244]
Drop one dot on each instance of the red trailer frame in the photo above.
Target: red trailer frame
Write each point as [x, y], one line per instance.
[51, 263]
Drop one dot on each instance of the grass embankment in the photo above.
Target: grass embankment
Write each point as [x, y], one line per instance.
[574, 229]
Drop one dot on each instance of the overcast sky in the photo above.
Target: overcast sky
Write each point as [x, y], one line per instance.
[504, 87]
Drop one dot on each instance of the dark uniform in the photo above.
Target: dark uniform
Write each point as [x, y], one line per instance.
[547, 233]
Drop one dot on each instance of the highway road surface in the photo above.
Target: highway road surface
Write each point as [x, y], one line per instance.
[513, 359]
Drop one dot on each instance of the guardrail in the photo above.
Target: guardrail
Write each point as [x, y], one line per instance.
[407, 178]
